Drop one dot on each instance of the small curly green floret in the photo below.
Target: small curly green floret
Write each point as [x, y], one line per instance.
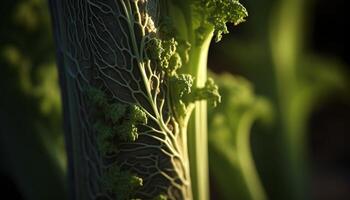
[115, 122]
[174, 64]
[96, 96]
[127, 131]
[105, 135]
[219, 12]
[115, 112]
[120, 182]
[137, 115]
[154, 48]
[169, 47]
[180, 87]
[164, 54]
[182, 84]
[209, 92]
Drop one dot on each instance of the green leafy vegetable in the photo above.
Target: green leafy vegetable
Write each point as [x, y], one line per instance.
[133, 73]
[231, 160]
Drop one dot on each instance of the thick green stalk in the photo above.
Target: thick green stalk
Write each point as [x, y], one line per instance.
[197, 130]
[197, 137]
[195, 22]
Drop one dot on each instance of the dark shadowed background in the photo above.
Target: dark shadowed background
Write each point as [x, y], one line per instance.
[30, 107]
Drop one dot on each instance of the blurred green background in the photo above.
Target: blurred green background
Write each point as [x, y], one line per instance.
[281, 132]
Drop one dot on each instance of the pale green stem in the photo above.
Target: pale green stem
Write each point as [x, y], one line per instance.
[245, 158]
[197, 127]
[197, 124]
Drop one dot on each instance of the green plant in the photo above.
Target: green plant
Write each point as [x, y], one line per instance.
[230, 151]
[296, 81]
[131, 74]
